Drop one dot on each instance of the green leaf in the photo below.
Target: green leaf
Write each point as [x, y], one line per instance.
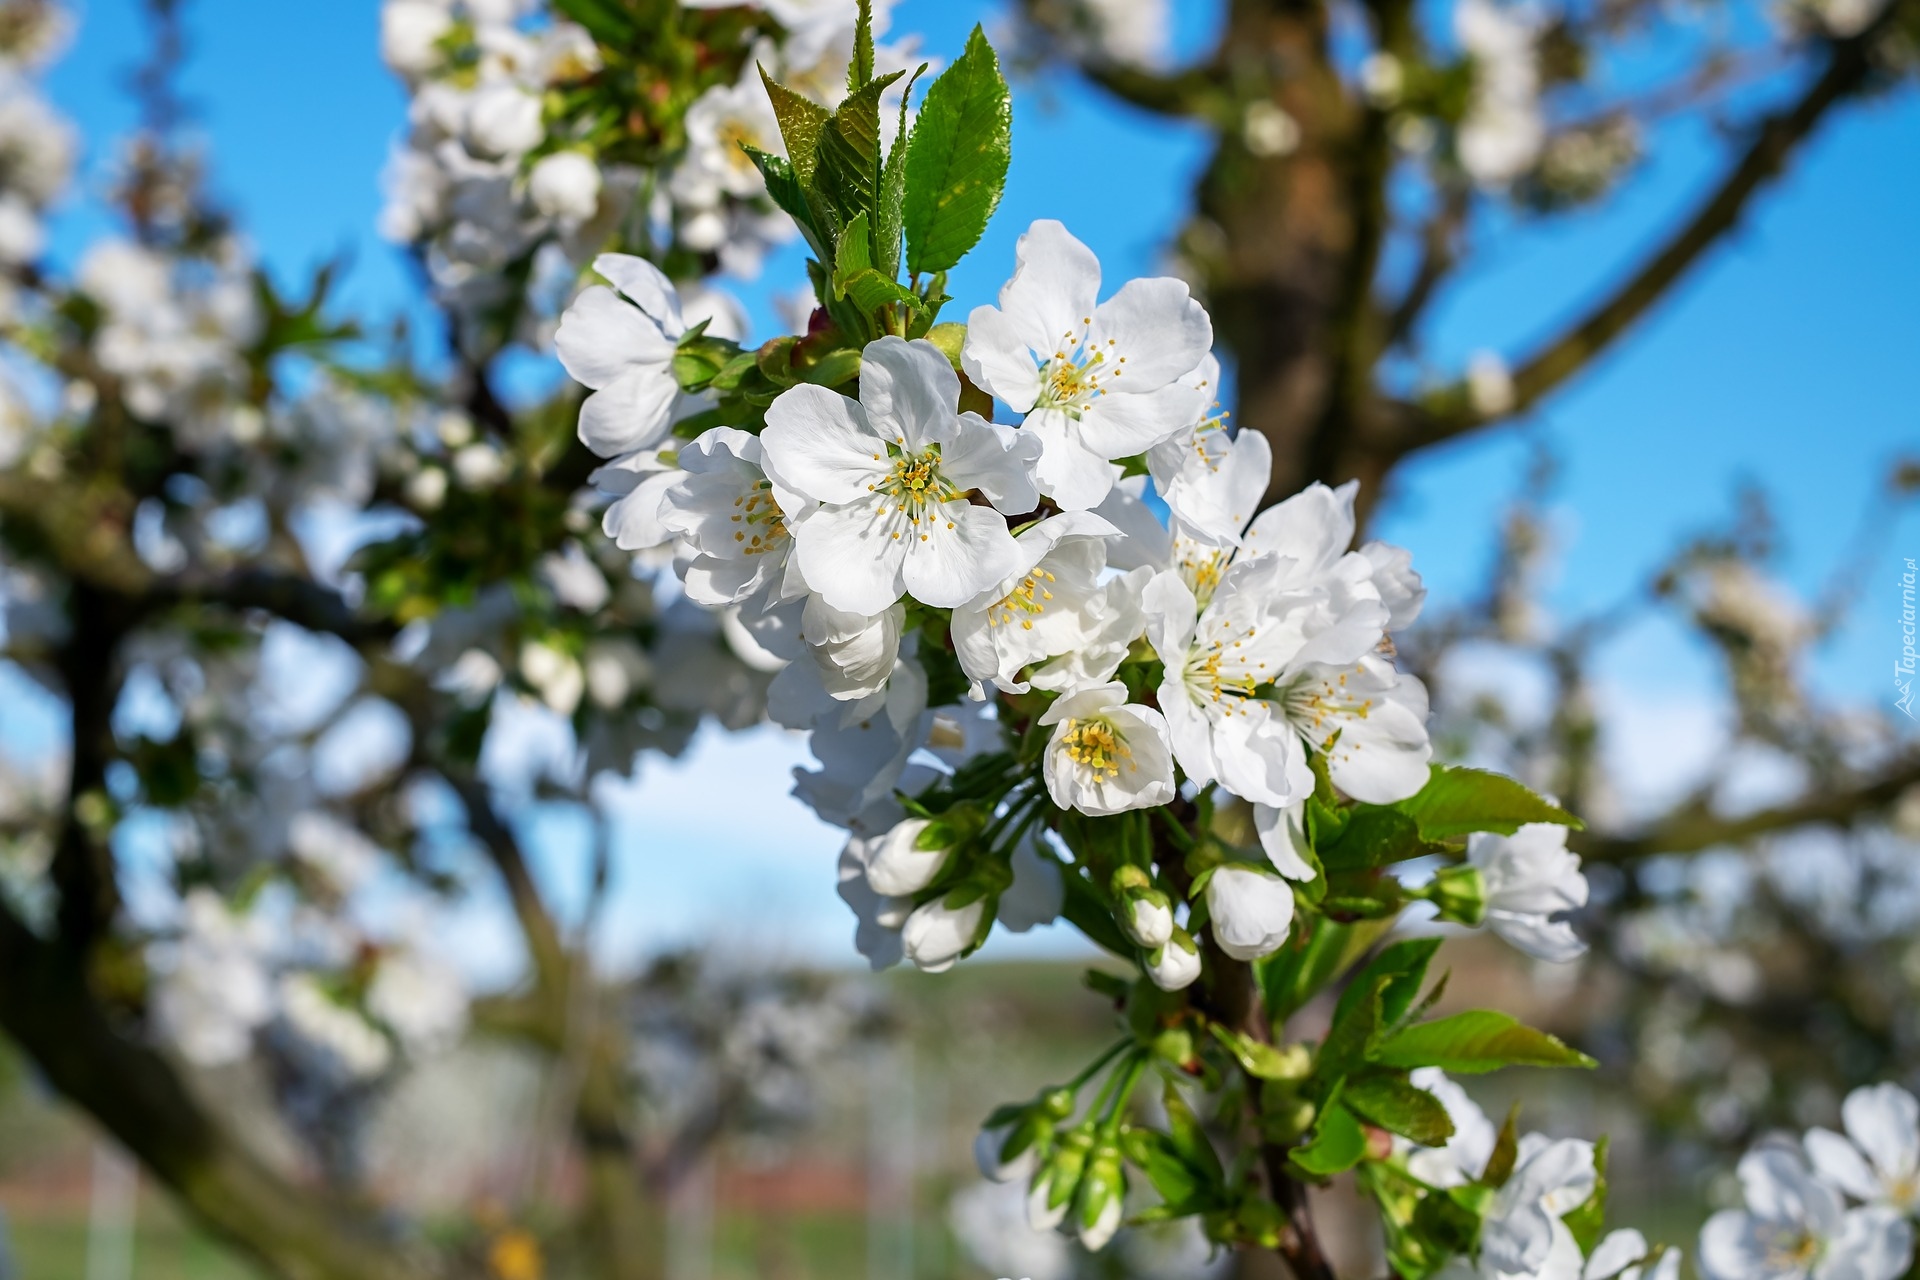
[1189, 1139]
[1155, 1155]
[1404, 964]
[847, 172]
[1262, 1060]
[1506, 1150]
[1590, 1217]
[1336, 1144]
[1085, 910]
[957, 159]
[889, 208]
[1476, 1041]
[860, 70]
[785, 190]
[852, 253]
[1392, 1102]
[1294, 974]
[1372, 836]
[1457, 801]
[1349, 1041]
[803, 122]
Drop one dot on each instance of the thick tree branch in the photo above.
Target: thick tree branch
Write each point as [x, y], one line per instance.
[1695, 827]
[298, 1232]
[1848, 69]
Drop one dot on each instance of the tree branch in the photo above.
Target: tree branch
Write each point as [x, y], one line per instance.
[301, 1233]
[1695, 827]
[1777, 135]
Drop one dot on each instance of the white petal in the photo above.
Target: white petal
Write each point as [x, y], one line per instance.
[600, 336]
[820, 445]
[1840, 1162]
[631, 412]
[998, 361]
[1874, 1243]
[647, 285]
[1156, 324]
[850, 556]
[997, 460]
[1283, 834]
[1055, 284]
[908, 390]
[1119, 425]
[960, 552]
[1884, 1121]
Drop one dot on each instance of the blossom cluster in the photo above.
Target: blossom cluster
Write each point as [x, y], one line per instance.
[887, 545]
[522, 159]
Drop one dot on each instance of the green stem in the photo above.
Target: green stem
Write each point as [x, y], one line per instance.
[1093, 1068]
[1134, 1070]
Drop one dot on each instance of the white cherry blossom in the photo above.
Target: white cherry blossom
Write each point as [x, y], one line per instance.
[882, 484]
[1107, 755]
[1096, 380]
[1796, 1227]
[1531, 880]
[1052, 603]
[1878, 1159]
[621, 344]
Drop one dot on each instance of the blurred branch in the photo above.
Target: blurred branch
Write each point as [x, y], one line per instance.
[1694, 827]
[301, 1233]
[1847, 71]
[1439, 251]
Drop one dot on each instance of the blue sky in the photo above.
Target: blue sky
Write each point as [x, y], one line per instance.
[1780, 362]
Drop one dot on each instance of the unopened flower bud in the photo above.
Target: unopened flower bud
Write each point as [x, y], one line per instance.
[937, 934]
[1147, 916]
[1012, 1151]
[910, 858]
[1052, 1191]
[1251, 911]
[1058, 1103]
[1098, 1201]
[1176, 964]
[1460, 893]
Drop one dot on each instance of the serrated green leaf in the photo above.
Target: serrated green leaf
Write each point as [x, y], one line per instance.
[852, 253]
[1336, 1144]
[1476, 1041]
[847, 173]
[957, 159]
[870, 291]
[1458, 800]
[889, 209]
[1396, 1105]
[860, 69]
[785, 190]
[803, 122]
[1404, 964]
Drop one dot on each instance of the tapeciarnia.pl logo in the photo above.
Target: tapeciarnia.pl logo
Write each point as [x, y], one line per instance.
[1903, 669]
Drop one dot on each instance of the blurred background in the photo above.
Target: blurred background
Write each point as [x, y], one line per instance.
[1672, 589]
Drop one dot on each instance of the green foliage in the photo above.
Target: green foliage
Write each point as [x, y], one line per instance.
[1589, 1219]
[1390, 1100]
[1476, 1041]
[1404, 968]
[1336, 1144]
[956, 164]
[1458, 800]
